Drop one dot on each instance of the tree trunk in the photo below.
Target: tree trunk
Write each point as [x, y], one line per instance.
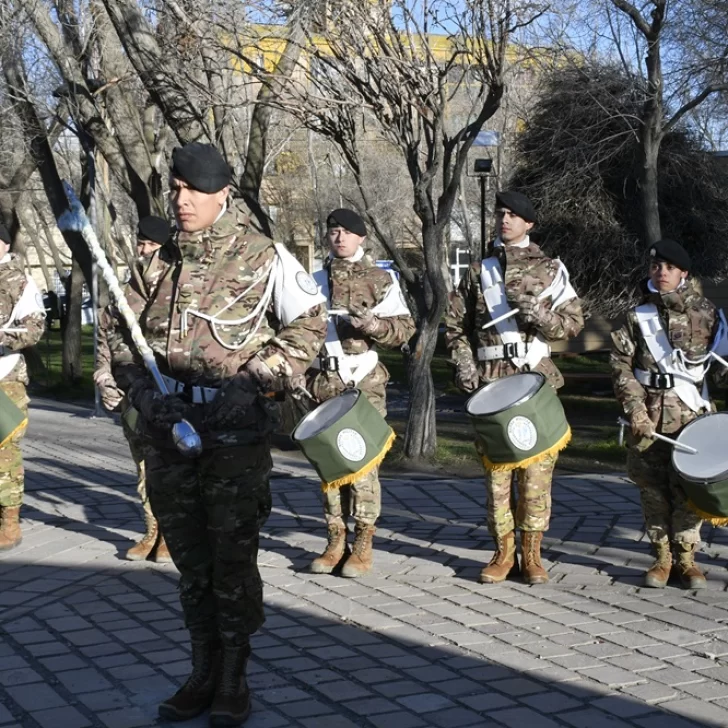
[420, 439]
[649, 191]
[72, 367]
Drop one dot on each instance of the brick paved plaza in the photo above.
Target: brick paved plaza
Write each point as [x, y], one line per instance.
[89, 639]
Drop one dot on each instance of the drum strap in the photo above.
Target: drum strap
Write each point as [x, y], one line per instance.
[687, 379]
[30, 302]
[352, 368]
[494, 295]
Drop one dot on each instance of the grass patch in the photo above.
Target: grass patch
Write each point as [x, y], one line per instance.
[45, 367]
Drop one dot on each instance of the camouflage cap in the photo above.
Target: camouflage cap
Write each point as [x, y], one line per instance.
[201, 166]
[671, 252]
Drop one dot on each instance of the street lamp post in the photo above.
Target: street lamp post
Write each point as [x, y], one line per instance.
[482, 168]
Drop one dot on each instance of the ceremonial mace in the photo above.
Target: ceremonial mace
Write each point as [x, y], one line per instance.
[185, 437]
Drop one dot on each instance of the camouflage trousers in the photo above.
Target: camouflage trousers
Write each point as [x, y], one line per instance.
[362, 500]
[12, 473]
[668, 517]
[136, 455]
[211, 510]
[533, 503]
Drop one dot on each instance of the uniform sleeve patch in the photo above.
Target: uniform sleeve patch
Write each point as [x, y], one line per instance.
[306, 283]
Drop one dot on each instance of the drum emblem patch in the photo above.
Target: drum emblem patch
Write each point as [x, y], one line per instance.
[351, 445]
[522, 433]
[306, 283]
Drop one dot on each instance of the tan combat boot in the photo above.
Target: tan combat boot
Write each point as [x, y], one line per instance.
[659, 573]
[690, 574]
[231, 705]
[10, 535]
[196, 695]
[531, 568]
[144, 548]
[360, 561]
[161, 552]
[336, 550]
[504, 559]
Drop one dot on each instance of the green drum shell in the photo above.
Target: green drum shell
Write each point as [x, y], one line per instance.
[709, 494]
[12, 418]
[543, 409]
[322, 450]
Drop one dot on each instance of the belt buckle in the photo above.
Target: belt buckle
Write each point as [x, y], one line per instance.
[510, 351]
[666, 381]
[329, 363]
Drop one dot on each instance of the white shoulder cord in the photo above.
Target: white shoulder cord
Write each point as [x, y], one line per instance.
[259, 311]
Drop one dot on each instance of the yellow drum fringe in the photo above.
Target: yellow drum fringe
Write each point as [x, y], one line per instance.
[349, 479]
[709, 517]
[14, 432]
[560, 445]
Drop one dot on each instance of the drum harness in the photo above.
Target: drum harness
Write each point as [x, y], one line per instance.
[514, 349]
[676, 371]
[352, 368]
[30, 302]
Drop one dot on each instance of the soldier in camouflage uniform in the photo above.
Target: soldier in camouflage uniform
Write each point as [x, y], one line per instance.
[235, 317]
[152, 261]
[376, 316]
[22, 322]
[480, 357]
[663, 400]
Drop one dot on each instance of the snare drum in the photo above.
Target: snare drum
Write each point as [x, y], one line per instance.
[704, 475]
[344, 438]
[12, 419]
[518, 420]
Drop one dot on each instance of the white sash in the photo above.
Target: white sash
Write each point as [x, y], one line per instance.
[30, 301]
[494, 295]
[671, 361]
[352, 368]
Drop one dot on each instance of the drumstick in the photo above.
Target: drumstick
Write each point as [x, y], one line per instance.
[507, 315]
[669, 440]
[497, 320]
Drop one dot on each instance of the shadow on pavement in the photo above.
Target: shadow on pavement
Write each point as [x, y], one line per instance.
[105, 648]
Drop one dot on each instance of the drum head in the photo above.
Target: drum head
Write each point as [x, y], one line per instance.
[709, 436]
[504, 393]
[314, 423]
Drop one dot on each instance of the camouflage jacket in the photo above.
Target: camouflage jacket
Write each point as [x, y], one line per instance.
[363, 285]
[145, 277]
[218, 272]
[691, 322]
[13, 283]
[527, 270]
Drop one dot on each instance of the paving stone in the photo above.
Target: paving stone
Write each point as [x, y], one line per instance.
[56, 717]
[36, 697]
[519, 717]
[399, 719]
[425, 702]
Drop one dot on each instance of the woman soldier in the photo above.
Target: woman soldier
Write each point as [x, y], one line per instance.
[659, 361]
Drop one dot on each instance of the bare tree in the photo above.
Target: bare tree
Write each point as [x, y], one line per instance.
[682, 68]
[389, 72]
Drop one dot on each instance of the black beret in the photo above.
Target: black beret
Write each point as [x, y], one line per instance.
[5, 235]
[153, 228]
[516, 202]
[201, 166]
[348, 219]
[671, 252]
